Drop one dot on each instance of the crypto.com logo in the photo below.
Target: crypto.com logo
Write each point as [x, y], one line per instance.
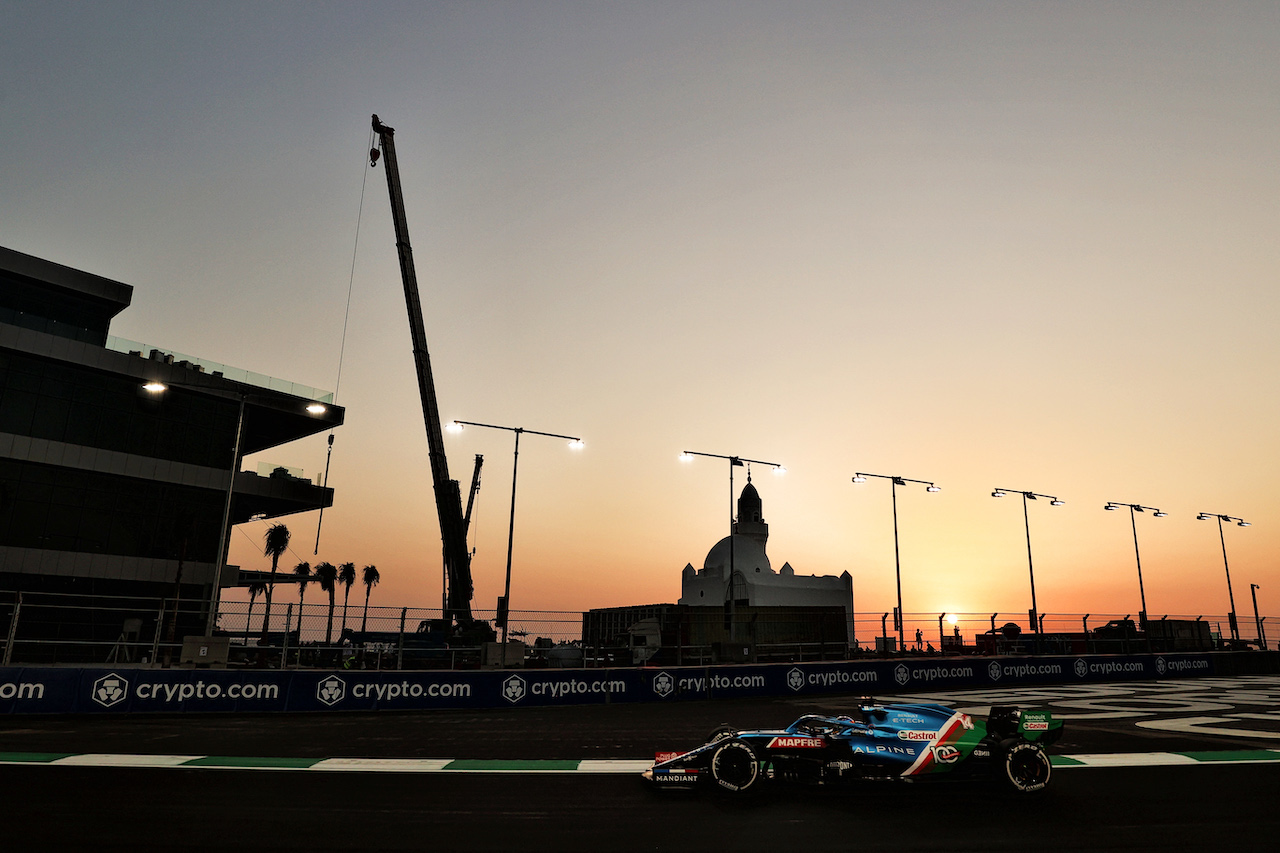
[110, 690]
[513, 689]
[995, 671]
[795, 679]
[331, 691]
[901, 674]
[663, 684]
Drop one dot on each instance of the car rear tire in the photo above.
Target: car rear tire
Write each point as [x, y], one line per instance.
[1026, 766]
[735, 767]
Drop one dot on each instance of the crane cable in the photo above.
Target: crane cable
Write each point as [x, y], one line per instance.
[342, 348]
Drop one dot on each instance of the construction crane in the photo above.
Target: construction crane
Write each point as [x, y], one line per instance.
[453, 525]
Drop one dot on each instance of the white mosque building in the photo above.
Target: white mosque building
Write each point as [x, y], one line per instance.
[738, 567]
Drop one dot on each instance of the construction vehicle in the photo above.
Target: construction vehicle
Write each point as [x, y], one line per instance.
[458, 590]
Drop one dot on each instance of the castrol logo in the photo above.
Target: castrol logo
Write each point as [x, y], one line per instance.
[916, 735]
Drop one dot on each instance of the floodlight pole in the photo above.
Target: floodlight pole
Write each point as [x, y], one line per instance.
[894, 482]
[1026, 521]
[1231, 598]
[574, 442]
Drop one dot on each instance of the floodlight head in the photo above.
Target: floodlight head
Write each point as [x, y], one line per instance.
[453, 426]
[779, 470]
[997, 494]
[576, 444]
[1111, 506]
[1244, 524]
[155, 387]
[316, 408]
[1202, 517]
[859, 478]
[686, 456]
[1057, 502]
[932, 488]
[1160, 514]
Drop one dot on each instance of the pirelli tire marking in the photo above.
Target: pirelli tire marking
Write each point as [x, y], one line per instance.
[1027, 767]
[735, 767]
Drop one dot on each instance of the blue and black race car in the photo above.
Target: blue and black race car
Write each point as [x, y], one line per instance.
[904, 742]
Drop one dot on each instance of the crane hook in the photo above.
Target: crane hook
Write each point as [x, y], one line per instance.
[374, 153]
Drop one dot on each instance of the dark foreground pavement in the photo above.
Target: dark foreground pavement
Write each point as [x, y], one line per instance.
[83, 809]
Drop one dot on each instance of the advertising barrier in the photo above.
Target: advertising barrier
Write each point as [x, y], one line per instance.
[32, 690]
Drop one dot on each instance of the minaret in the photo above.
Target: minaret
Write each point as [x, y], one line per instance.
[751, 521]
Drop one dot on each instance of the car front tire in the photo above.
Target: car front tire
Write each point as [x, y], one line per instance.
[735, 767]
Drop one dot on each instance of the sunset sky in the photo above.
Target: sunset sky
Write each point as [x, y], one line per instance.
[1018, 245]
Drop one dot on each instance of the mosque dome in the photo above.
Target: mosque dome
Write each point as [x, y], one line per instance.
[748, 556]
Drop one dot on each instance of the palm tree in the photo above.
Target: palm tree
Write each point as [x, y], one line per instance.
[274, 543]
[370, 577]
[327, 577]
[346, 577]
[303, 573]
[255, 589]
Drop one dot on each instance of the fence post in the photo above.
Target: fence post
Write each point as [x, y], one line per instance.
[13, 628]
[288, 626]
[400, 650]
[155, 642]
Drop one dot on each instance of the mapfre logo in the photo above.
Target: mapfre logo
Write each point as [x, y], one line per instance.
[797, 743]
[110, 690]
[331, 690]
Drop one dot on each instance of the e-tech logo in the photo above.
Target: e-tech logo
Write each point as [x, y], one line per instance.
[995, 671]
[331, 691]
[110, 690]
[795, 679]
[514, 689]
[901, 674]
[663, 684]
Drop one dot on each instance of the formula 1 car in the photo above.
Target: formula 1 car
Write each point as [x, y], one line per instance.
[904, 742]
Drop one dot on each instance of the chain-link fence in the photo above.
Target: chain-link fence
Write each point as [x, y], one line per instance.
[52, 629]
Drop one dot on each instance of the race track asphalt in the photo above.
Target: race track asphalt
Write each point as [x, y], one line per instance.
[1200, 807]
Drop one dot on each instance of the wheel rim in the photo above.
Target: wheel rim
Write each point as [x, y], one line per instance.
[734, 766]
[1028, 768]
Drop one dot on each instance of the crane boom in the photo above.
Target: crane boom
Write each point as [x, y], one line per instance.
[453, 535]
